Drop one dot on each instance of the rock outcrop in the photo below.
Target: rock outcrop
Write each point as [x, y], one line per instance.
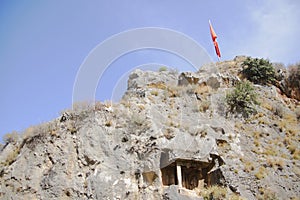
[168, 138]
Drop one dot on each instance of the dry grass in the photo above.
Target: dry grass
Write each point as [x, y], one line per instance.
[271, 150]
[256, 142]
[218, 193]
[126, 103]
[202, 89]
[239, 126]
[290, 124]
[255, 117]
[169, 133]
[296, 170]
[278, 110]
[275, 162]
[29, 132]
[204, 106]
[175, 91]
[141, 107]
[11, 157]
[266, 105]
[108, 123]
[257, 134]
[214, 192]
[159, 85]
[154, 92]
[71, 126]
[248, 165]
[277, 142]
[292, 146]
[266, 194]
[50, 128]
[263, 120]
[174, 124]
[79, 107]
[261, 173]
[11, 137]
[169, 91]
[296, 154]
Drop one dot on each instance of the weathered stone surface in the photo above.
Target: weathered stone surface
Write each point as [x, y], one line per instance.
[164, 119]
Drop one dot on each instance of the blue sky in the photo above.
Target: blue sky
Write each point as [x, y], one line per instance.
[43, 44]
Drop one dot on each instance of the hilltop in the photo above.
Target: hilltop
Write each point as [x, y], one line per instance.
[192, 135]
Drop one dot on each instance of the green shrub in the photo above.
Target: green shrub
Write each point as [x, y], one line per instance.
[242, 99]
[258, 71]
[162, 69]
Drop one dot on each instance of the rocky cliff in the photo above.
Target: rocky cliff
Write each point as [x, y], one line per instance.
[170, 137]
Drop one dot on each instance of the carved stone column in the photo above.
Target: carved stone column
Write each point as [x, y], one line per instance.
[179, 176]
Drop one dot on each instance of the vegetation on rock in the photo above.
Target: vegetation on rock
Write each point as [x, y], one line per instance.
[242, 99]
[115, 150]
[258, 71]
[162, 69]
[293, 81]
[11, 137]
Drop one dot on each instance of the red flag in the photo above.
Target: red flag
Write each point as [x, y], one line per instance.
[217, 49]
[214, 39]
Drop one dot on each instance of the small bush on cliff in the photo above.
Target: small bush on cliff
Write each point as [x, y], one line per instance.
[214, 192]
[293, 81]
[294, 76]
[258, 71]
[242, 99]
[11, 137]
[163, 69]
[11, 157]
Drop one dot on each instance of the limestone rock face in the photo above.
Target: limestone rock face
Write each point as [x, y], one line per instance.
[168, 138]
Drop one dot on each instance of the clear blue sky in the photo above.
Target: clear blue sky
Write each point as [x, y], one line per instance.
[43, 43]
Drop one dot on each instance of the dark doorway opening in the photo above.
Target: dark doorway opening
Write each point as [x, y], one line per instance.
[169, 175]
[190, 177]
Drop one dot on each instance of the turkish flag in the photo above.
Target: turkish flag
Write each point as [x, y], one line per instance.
[214, 39]
[217, 49]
